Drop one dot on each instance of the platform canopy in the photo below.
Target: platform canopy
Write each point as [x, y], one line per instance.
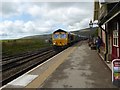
[111, 14]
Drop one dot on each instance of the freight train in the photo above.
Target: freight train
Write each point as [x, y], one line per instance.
[63, 39]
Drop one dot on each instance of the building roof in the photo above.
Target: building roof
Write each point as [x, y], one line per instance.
[59, 30]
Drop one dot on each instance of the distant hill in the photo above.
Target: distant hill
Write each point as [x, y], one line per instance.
[86, 32]
[83, 32]
[45, 36]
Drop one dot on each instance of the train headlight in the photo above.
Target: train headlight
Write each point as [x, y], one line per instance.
[53, 43]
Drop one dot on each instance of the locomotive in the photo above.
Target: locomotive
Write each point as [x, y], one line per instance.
[63, 39]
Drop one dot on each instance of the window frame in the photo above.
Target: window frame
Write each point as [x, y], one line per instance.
[116, 36]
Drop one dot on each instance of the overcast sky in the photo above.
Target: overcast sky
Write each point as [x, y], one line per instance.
[21, 19]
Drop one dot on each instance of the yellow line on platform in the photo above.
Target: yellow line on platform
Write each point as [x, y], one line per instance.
[60, 59]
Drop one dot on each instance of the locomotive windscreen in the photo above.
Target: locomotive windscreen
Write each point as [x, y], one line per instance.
[56, 36]
[62, 35]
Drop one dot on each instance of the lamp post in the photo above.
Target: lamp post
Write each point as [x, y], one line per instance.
[91, 26]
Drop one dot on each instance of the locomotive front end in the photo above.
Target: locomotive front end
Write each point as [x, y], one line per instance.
[59, 39]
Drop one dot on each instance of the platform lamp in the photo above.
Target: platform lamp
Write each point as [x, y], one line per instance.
[91, 26]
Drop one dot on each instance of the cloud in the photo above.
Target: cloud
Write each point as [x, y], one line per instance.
[20, 28]
[9, 9]
[34, 10]
[43, 17]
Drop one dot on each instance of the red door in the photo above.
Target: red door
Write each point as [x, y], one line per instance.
[115, 52]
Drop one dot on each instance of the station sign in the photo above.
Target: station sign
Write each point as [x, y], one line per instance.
[116, 72]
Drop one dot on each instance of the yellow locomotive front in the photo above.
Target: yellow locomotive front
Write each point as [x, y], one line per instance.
[60, 38]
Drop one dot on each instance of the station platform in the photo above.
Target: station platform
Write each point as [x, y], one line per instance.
[76, 67]
[82, 69]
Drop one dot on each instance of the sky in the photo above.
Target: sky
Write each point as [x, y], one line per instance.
[27, 18]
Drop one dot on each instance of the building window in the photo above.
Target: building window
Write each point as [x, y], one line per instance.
[115, 35]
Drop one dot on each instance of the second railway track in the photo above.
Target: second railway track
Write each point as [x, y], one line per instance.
[15, 68]
[9, 57]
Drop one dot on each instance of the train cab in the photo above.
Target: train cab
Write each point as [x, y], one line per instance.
[60, 38]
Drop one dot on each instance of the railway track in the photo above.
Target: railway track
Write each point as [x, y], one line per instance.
[8, 57]
[15, 67]
[19, 61]
[9, 60]
[13, 62]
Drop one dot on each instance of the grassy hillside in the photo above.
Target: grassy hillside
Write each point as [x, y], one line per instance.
[45, 36]
[11, 47]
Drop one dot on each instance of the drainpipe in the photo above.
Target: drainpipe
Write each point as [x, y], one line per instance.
[106, 41]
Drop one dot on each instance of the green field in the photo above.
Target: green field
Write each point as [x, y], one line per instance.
[12, 47]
